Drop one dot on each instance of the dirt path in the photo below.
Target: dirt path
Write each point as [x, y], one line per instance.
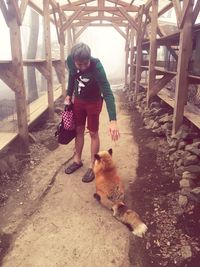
[68, 227]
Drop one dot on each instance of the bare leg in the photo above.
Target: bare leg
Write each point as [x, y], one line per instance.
[95, 144]
[79, 143]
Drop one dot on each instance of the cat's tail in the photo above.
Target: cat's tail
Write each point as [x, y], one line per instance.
[130, 218]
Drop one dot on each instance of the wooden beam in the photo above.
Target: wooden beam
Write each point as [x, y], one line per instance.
[159, 84]
[56, 24]
[4, 11]
[106, 18]
[139, 51]
[100, 8]
[126, 56]
[16, 11]
[119, 30]
[165, 9]
[124, 4]
[185, 51]
[47, 39]
[71, 19]
[17, 65]
[184, 12]
[177, 7]
[76, 3]
[196, 11]
[128, 17]
[81, 30]
[153, 48]
[81, 23]
[131, 75]
[23, 7]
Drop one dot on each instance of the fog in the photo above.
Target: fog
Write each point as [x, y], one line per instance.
[109, 46]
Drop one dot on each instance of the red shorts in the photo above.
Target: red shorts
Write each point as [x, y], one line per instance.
[87, 109]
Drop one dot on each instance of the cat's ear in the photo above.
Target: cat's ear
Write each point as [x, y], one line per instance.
[110, 151]
[97, 157]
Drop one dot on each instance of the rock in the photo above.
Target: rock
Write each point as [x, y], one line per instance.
[155, 105]
[179, 162]
[194, 150]
[172, 142]
[182, 200]
[189, 175]
[180, 170]
[165, 118]
[185, 191]
[193, 169]
[166, 127]
[186, 252]
[191, 136]
[182, 145]
[155, 125]
[149, 124]
[196, 191]
[3, 197]
[171, 151]
[186, 183]
[191, 160]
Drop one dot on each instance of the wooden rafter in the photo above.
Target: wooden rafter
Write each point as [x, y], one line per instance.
[117, 28]
[71, 19]
[124, 4]
[56, 24]
[82, 23]
[177, 8]
[81, 30]
[100, 8]
[16, 11]
[76, 3]
[128, 17]
[101, 4]
[196, 11]
[165, 9]
[184, 12]
[23, 7]
[106, 18]
[4, 11]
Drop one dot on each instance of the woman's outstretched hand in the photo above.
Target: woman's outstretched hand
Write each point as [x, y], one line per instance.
[114, 131]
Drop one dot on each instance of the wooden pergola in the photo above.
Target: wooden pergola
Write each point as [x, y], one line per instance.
[71, 18]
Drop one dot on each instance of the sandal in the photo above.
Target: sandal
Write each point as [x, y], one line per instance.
[73, 167]
[89, 176]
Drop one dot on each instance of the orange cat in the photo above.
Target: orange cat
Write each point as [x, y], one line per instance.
[110, 192]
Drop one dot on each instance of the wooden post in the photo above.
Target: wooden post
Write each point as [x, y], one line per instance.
[139, 53]
[62, 57]
[131, 59]
[126, 57]
[47, 38]
[20, 92]
[185, 51]
[153, 48]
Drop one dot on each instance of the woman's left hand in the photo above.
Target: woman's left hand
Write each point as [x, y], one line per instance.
[114, 131]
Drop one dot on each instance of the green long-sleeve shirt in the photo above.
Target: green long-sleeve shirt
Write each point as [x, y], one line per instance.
[91, 84]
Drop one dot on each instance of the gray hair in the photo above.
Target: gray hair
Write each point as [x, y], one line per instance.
[81, 52]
